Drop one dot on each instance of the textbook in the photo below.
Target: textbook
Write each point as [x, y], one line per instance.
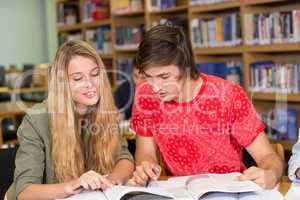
[185, 187]
[124, 193]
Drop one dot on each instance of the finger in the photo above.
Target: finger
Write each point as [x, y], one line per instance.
[84, 184]
[131, 182]
[105, 181]
[152, 172]
[93, 181]
[139, 180]
[140, 172]
[250, 175]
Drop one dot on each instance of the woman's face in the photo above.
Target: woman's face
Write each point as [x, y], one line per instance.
[84, 80]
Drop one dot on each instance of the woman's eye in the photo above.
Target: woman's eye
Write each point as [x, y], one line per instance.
[95, 73]
[165, 77]
[77, 78]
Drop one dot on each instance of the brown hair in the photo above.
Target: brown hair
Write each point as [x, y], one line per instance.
[70, 158]
[166, 45]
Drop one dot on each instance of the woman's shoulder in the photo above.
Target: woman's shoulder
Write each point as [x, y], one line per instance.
[37, 117]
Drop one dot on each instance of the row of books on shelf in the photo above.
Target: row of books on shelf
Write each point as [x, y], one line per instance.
[126, 6]
[129, 37]
[221, 31]
[230, 70]
[201, 2]
[267, 76]
[157, 5]
[68, 13]
[94, 10]
[100, 38]
[281, 123]
[275, 27]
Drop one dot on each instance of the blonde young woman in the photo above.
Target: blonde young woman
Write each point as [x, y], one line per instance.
[71, 142]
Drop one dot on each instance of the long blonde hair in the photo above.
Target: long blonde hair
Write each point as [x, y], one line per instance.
[69, 159]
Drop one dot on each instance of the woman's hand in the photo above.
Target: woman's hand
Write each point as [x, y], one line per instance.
[90, 180]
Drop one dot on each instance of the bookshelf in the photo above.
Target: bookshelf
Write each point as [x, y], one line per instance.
[186, 12]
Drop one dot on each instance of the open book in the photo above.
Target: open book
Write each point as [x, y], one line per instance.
[198, 186]
[125, 193]
[205, 186]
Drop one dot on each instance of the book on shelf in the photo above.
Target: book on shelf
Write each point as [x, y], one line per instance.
[231, 70]
[267, 76]
[281, 123]
[221, 31]
[272, 28]
[64, 37]
[126, 6]
[177, 20]
[128, 37]
[67, 13]
[100, 38]
[203, 186]
[158, 5]
[94, 10]
[202, 2]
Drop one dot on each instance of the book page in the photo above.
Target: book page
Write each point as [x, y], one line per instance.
[201, 184]
[88, 195]
[117, 192]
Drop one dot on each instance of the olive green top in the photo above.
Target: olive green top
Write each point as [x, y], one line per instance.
[33, 160]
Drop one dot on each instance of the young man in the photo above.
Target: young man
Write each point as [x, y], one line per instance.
[198, 123]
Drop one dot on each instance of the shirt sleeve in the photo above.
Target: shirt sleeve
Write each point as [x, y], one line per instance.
[294, 162]
[30, 157]
[246, 123]
[124, 152]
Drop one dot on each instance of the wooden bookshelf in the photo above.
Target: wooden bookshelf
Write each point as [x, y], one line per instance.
[95, 24]
[213, 7]
[274, 97]
[67, 28]
[246, 53]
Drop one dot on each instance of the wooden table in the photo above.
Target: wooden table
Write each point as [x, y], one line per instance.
[283, 188]
[12, 109]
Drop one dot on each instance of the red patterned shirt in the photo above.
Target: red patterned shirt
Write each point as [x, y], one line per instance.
[205, 135]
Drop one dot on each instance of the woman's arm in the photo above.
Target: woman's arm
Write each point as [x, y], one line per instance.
[270, 165]
[122, 172]
[87, 181]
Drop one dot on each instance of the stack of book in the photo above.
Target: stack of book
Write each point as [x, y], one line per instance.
[126, 6]
[94, 10]
[201, 2]
[267, 76]
[269, 28]
[67, 13]
[218, 32]
[157, 5]
[100, 39]
[128, 37]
